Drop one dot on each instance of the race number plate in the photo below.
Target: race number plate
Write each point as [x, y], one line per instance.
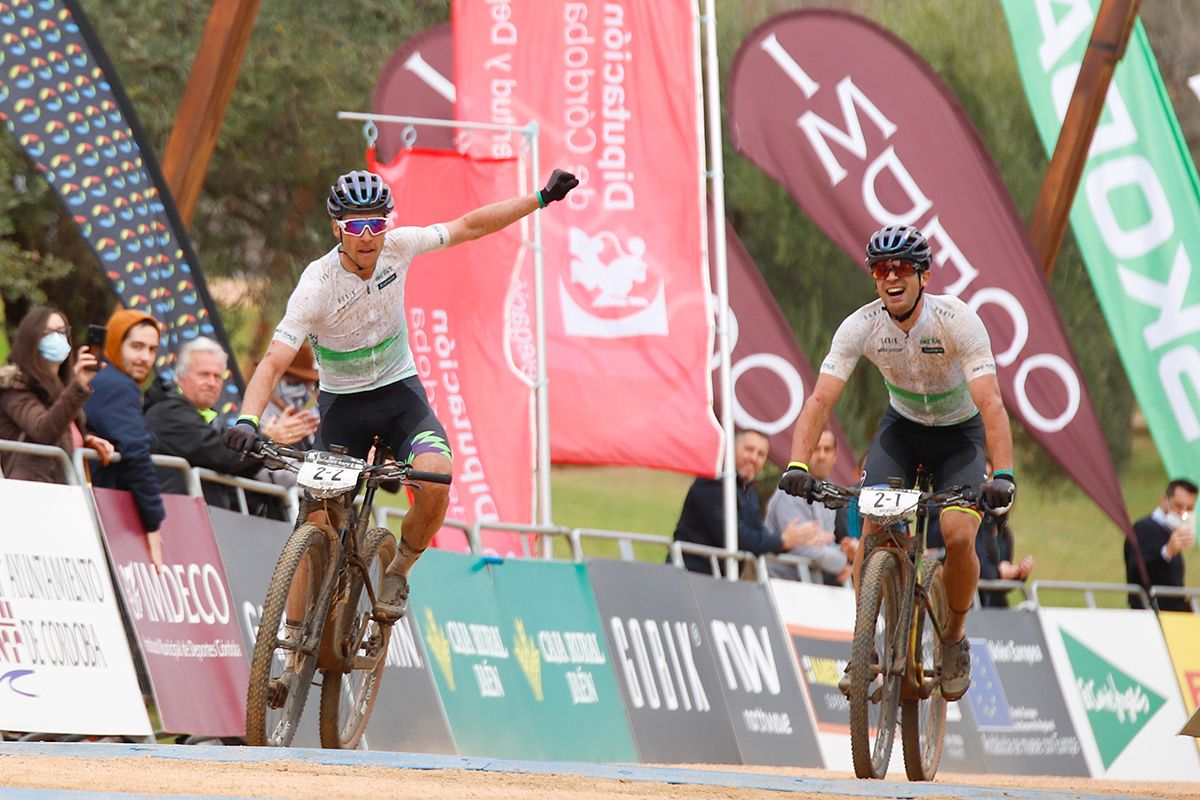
[328, 475]
[885, 503]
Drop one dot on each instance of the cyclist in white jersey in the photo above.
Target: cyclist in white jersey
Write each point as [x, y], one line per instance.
[936, 359]
[350, 305]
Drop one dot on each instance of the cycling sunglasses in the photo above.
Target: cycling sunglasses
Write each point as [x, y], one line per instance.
[903, 269]
[357, 227]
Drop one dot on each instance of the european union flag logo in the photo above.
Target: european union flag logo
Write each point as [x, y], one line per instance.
[986, 696]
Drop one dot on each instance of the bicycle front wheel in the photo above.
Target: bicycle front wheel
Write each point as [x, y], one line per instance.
[347, 699]
[876, 666]
[923, 720]
[282, 665]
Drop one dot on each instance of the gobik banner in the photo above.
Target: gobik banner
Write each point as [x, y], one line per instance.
[183, 616]
[1182, 633]
[487, 674]
[820, 622]
[664, 660]
[758, 675]
[1014, 701]
[407, 716]
[554, 631]
[1116, 677]
[64, 657]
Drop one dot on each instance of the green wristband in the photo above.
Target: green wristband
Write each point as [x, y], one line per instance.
[798, 465]
[541, 202]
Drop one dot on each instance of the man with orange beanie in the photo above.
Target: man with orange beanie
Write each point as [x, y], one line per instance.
[114, 411]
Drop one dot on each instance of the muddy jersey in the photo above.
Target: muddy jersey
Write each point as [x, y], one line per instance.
[926, 370]
[357, 328]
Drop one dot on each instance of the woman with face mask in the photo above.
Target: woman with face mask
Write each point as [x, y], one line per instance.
[42, 391]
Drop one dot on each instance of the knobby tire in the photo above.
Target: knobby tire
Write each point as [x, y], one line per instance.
[923, 722]
[877, 633]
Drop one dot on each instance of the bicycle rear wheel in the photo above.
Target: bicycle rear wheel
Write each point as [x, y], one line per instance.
[876, 666]
[923, 721]
[281, 671]
[347, 699]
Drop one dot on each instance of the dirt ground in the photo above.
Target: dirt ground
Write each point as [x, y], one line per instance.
[305, 780]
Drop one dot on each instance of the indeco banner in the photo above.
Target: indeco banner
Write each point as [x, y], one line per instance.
[1136, 216]
[456, 304]
[184, 616]
[64, 658]
[864, 134]
[614, 89]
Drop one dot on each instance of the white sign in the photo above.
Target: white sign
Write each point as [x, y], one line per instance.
[887, 505]
[64, 658]
[328, 475]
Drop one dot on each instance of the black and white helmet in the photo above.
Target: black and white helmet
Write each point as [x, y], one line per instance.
[359, 192]
[902, 242]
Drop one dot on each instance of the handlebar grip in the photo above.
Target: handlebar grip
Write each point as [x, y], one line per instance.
[429, 477]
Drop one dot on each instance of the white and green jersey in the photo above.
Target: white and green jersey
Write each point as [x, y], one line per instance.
[358, 329]
[927, 369]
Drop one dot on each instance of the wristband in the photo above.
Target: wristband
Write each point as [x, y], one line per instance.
[541, 202]
[253, 420]
[798, 465]
[1005, 473]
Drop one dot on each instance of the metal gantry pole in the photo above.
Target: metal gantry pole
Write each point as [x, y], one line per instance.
[716, 157]
[541, 385]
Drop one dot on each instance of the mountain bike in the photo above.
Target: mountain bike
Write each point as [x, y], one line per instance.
[330, 572]
[895, 659]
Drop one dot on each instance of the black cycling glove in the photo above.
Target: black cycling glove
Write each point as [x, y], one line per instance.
[998, 493]
[242, 437]
[798, 481]
[557, 187]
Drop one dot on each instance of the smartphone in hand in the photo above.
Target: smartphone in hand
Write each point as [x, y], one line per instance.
[95, 342]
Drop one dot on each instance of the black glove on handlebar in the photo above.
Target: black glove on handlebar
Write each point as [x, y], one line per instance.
[241, 437]
[998, 493]
[557, 187]
[798, 481]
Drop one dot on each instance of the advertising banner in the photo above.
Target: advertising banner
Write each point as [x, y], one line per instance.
[1182, 633]
[554, 630]
[417, 81]
[813, 102]
[184, 617]
[1136, 216]
[1121, 691]
[755, 662]
[66, 108]
[456, 303]
[771, 375]
[664, 658]
[453, 603]
[65, 665]
[614, 89]
[1014, 702]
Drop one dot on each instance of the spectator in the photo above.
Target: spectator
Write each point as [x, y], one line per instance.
[183, 419]
[42, 392]
[1162, 537]
[1003, 568]
[114, 411]
[702, 519]
[833, 561]
[287, 419]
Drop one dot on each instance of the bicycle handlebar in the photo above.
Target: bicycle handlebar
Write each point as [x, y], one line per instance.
[404, 472]
[833, 496]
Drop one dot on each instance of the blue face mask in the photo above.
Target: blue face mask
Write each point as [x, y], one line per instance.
[54, 347]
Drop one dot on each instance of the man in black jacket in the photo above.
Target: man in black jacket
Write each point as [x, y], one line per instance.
[183, 419]
[702, 519]
[1162, 537]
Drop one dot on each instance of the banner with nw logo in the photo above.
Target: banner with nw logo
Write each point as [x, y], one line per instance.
[456, 303]
[614, 89]
[863, 134]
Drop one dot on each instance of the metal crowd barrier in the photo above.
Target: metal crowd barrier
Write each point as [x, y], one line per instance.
[1189, 593]
[1088, 589]
[1005, 586]
[290, 495]
[471, 532]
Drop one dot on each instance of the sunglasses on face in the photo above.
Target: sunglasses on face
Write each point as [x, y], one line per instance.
[358, 227]
[903, 269]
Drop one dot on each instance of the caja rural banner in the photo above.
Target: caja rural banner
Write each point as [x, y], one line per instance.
[614, 89]
[770, 719]
[1121, 691]
[61, 100]
[408, 715]
[863, 133]
[456, 303]
[1015, 702]
[1182, 633]
[771, 375]
[663, 654]
[1136, 215]
[184, 616]
[64, 658]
